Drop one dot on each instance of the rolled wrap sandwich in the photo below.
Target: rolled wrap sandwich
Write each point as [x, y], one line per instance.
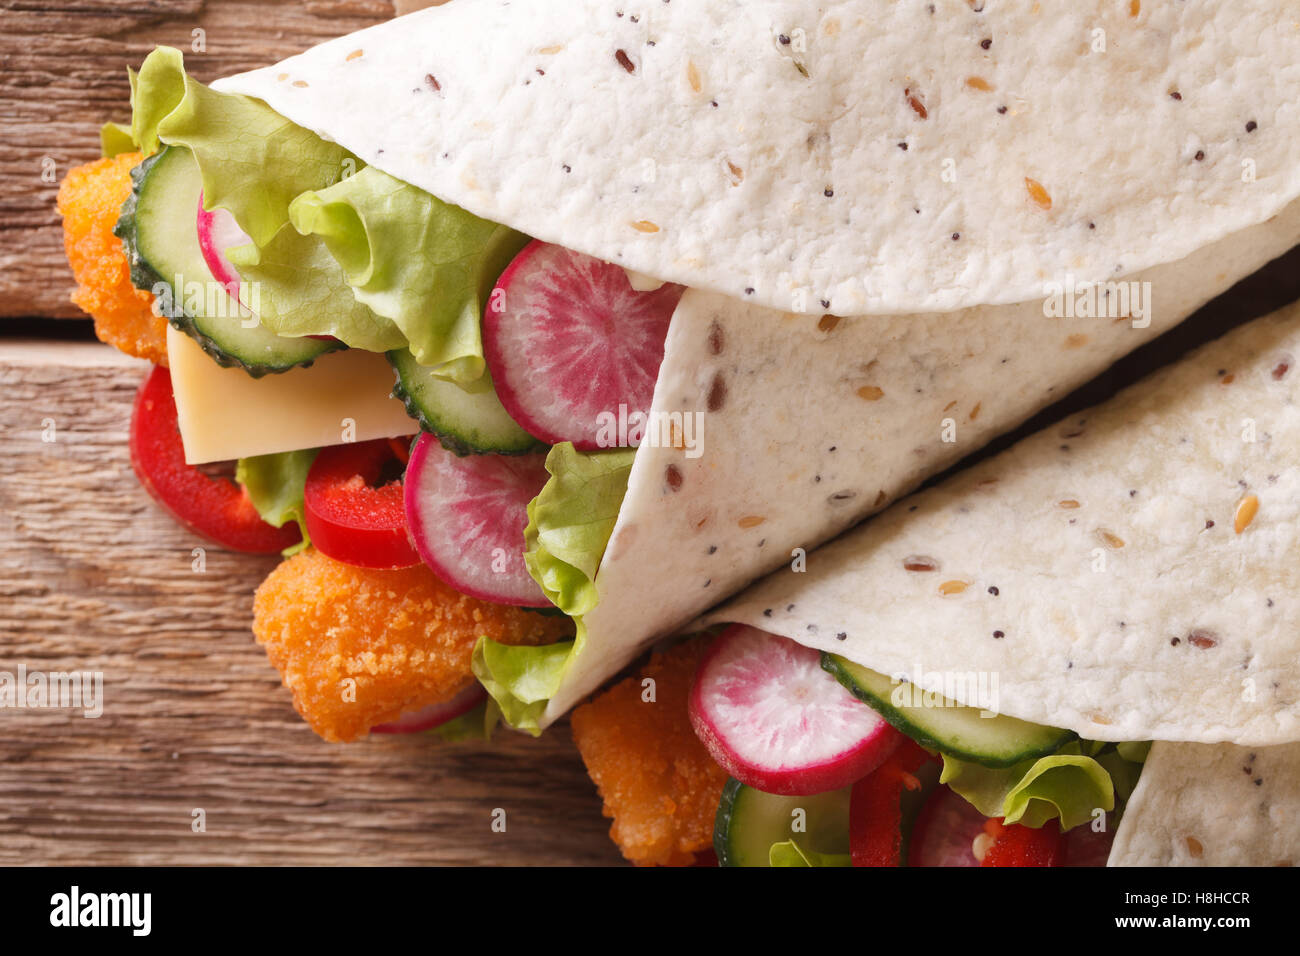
[792, 259]
[1123, 576]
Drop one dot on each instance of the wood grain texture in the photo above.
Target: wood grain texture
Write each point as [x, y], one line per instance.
[63, 75]
[94, 577]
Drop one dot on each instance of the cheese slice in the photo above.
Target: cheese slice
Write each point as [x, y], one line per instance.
[224, 413]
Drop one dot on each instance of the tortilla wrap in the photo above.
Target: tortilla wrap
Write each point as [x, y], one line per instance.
[759, 145]
[792, 201]
[1220, 805]
[1128, 573]
[797, 445]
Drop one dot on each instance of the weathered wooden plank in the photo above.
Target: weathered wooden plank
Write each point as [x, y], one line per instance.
[63, 74]
[93, 576]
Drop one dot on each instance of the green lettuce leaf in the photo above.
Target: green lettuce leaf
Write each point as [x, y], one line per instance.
[301, 290]
[115, 138]
[425, 264]
[338, 248]
[1134, 750]
[570, 522]
[154, 100]
[275, 486]
[521, 679]
[1081, 777]
[473, 725]
[1124, 771]
[569, 526]
[253, 163]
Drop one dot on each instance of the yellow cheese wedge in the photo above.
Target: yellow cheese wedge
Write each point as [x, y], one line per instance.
[224, 413]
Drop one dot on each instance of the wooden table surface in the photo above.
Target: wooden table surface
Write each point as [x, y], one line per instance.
[94, 577]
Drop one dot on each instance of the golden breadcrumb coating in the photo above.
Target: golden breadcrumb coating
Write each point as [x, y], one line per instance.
[403, 637]
[90, 200]
[658, 782]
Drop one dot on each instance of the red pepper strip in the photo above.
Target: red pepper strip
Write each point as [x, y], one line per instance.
[875, 807]
[1016, 845]
[348, 517]
[216, 508]
[401, 449]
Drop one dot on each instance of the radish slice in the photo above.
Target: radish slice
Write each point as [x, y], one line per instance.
[945, 831]
[218, 232]
[774, 720]
[567, 340]
[467, 518]
[435, 715]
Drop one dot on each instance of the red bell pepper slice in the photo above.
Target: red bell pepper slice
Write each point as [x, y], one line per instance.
[353, 514]
[1016, 845]
[215, 507]
[876, 811]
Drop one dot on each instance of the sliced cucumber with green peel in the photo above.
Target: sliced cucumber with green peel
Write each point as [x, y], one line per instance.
[750, 822]
[159, 231]
[465, 422]
[944, 725]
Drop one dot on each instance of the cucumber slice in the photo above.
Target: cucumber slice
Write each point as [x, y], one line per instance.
[158, 227]
[949, 728]
[466, 423]
[750, 821]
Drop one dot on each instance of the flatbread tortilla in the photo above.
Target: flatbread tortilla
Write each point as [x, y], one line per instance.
[1128, 573]
[823, 424]
[845, 157]
[1220, 805]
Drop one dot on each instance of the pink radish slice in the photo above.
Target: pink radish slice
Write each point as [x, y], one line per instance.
[774, 720]
[945, 831]
[467, 518]
[218, 232]
[435, 715]
[567, 338]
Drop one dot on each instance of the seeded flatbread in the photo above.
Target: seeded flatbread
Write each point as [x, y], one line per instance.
[844, 157]
[813, 424]
[1222, 805]
[1129, 573]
